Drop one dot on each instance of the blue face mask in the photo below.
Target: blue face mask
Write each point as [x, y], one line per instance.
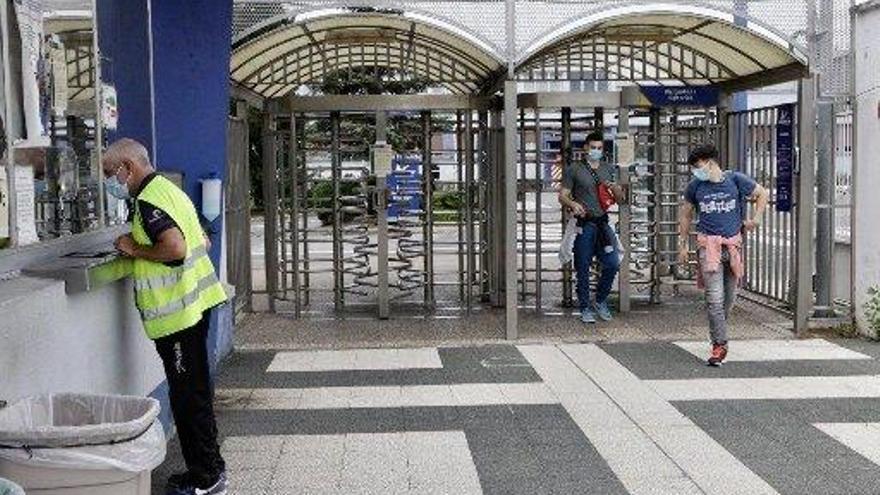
[701, 174]
[115, 188]
[595, 155]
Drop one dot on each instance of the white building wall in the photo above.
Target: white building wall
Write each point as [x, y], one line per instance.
[866, 235]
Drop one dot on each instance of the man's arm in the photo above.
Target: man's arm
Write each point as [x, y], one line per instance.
[760, 196]
[170, 246]
[566, 201]
[685, 216]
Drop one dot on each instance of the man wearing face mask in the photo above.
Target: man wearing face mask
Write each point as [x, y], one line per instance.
[175, 289]
[580, 194]
[720, 200]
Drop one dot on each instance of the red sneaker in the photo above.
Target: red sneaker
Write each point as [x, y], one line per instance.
[719, 352]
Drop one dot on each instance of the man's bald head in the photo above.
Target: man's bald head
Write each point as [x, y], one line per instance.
[125, 151]
[128, 160]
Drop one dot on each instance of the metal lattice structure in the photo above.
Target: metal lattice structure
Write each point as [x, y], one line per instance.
[460, 46]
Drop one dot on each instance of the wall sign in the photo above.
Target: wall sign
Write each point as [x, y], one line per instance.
[681, 96]
[784, 157]
[109, 107]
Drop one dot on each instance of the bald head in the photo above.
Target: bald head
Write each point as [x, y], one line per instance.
[128, 160]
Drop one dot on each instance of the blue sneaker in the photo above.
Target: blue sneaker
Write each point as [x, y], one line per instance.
[188, 488]
[603, 311]
[587, 316]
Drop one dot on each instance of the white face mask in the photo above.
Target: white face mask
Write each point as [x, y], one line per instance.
[115, 188]
[595, 155]
[701, 174]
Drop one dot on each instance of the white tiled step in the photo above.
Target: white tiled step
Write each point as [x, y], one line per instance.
[358, 359]
[795, 387]
[477, 394]
[776, 350]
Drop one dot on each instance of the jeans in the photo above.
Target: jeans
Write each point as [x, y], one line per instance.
[720, 296]
[585, 249]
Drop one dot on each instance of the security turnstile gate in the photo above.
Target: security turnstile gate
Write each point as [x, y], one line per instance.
[345, 236]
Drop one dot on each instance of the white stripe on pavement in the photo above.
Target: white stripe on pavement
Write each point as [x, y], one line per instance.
[777, 350]
[705, 461]
[793, 387]
[474, 394]
[863, 438]
[641, 466]
[358, 359]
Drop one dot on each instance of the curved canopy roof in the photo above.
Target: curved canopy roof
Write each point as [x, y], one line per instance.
[279, 56]
[662, 45]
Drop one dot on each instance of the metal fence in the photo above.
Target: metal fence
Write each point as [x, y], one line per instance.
[769, 250]
[238, 218]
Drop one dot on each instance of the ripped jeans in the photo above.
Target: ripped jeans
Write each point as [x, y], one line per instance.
[720, 295]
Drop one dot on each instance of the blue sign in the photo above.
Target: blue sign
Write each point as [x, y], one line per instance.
[405, 185]
[784, 157]
[681, 96]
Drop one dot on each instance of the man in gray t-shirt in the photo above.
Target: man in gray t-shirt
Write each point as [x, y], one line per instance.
[580, 194]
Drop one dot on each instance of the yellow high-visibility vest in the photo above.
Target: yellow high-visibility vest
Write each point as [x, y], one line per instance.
[171, 299]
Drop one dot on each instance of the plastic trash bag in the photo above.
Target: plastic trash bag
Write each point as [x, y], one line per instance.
[80, 431]
[566, 247]
[9, 488]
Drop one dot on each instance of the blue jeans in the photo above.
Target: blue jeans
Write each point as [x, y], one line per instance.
[584, 250]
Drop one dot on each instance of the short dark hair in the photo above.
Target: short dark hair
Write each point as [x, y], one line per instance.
[703, 152]
[594, 136]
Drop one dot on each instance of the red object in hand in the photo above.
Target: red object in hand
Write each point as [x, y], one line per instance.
[606, 197]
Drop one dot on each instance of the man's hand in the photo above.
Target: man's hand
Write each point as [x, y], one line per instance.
[578, 210]
[125, 245]
[751, 225]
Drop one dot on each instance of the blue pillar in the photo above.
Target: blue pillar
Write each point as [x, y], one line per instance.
[169, 61]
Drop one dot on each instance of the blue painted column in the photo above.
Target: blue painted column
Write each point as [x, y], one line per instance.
[192, 42]
[169, 61]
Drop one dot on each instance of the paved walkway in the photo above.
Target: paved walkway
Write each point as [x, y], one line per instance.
[783, 416]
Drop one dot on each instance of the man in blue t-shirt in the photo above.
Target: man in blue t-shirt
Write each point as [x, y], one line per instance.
[719, 198]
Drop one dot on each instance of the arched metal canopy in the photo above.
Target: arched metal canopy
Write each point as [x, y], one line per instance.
[664, 45]
[282, 55]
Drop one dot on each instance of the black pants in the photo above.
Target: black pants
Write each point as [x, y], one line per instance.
[185, 357]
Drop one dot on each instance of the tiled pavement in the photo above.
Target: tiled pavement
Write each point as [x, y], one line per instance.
[783, 416]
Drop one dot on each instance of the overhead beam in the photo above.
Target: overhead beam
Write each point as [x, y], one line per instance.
[239, 92]
[778, 75]
[373, 103]
[603, 99]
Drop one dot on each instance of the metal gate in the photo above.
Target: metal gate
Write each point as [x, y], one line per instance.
[237, 213]
[329, 216]
[770, 250]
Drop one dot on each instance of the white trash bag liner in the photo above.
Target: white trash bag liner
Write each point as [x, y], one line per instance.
[80, 431]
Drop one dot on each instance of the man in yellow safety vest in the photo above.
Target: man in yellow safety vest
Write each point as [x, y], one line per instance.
[175, 289]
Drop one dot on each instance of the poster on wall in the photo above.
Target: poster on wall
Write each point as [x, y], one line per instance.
[25, 212]
[109, 107]
[784, 157]
[29, 14]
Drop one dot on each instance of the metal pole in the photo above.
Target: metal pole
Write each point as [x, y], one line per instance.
[539, 185]
[825, 209]
[498, 207]
[623, 282]
[469, 205]
[336, 171]
[805, 204]
[567, 298]
[510, 320]
[270, 203]
[428, 232]
[658, 210]
[382, 223]
[294, 215]
[483, 122]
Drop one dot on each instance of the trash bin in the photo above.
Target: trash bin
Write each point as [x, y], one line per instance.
[9, 488]
[78, 444]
